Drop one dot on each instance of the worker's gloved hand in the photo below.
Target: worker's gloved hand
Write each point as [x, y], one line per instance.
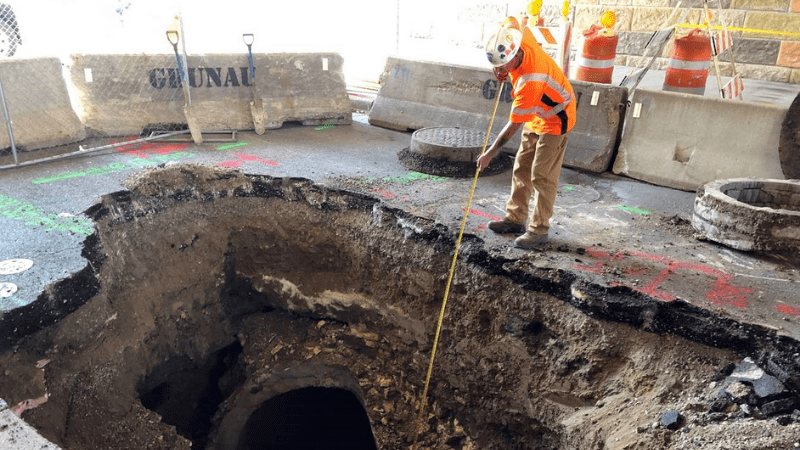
[500, 74]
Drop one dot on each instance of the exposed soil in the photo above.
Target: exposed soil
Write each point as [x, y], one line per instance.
[276, 285]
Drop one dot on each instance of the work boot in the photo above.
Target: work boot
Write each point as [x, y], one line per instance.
[530, 240]
[506, 226]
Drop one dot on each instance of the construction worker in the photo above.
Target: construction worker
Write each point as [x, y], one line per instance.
[545, 108]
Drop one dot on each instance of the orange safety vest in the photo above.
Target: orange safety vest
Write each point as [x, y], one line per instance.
[543, 97]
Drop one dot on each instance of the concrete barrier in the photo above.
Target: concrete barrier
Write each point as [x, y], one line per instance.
[598, 128]
[38, 104]
[684, 141]
[122, 94]
[416, 94]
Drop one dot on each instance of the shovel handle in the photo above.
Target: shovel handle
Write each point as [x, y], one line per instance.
[172, 37]
[251, 38]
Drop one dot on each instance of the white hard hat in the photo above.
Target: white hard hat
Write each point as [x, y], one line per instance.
[503, 46]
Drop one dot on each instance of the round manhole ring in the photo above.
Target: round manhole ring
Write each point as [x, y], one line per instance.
[450, 152]
[750, 214]
[449, 143]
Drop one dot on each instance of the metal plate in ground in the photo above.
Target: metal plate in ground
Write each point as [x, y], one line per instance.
[450, 152]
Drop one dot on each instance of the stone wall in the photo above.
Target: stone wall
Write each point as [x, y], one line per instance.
[766, 33]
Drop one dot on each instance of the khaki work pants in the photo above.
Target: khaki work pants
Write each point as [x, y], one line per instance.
[537, 167]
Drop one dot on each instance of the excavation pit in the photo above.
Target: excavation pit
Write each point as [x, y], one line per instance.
[245, 294]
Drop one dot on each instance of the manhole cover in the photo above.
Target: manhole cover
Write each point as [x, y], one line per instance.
[450, 143]
[11, 266]
[450, 151]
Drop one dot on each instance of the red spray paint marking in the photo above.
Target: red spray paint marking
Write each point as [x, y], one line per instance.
[145, 149]
[788, 310]
[475, 212]
[722, 293]
[242, 158]
[482, 226]
[386, 194]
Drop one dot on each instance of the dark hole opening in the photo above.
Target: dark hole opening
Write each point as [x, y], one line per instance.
[312, 418]
[187, 394]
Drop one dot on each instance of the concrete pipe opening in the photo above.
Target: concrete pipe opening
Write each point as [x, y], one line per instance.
[247, 294]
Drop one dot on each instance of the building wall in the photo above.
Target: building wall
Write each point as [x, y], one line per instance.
[766, 33]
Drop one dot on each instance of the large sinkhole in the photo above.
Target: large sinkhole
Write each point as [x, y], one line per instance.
[220, 310]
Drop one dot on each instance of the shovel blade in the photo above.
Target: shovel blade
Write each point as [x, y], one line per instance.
[257, 111]
[194, 128]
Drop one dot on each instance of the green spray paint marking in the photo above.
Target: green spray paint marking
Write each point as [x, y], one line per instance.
[643, 212]
[116, 167]
[414, 176]
[230, 146]
[33, 215]
[569, 188]
[324, 127]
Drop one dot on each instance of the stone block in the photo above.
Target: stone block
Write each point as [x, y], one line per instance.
[774, 21]
[638, 61]
[725, 4]
[794, 76]
[760, 5]
[651, 3]
[789, 54]
[652, 19]
[632, 42]
[761, 72]
[754, 51]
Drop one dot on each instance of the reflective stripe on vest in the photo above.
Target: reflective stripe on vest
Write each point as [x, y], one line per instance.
[538, 110]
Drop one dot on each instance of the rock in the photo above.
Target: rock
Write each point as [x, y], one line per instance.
[764, 385]
[738, 392]
[670, 420]
[776, 407]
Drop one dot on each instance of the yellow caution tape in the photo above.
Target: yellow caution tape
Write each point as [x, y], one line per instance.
[745, 30]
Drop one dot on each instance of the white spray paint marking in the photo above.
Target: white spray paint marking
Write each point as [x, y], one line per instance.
[11, 266]
[7, 289]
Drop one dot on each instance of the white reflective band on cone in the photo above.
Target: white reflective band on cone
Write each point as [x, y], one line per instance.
[689, 65]
[685, 90]
[594, 63]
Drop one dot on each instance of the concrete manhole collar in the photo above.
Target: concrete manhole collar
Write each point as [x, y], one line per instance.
[750, 214]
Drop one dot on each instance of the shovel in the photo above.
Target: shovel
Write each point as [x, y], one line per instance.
[256, 104]
[197, 134]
